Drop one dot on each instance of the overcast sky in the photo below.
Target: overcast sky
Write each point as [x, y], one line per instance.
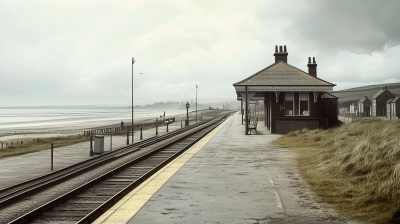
[79, 52]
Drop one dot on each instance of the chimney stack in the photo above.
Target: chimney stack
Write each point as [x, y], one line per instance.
[384, 87]
[281, 55]
[312, 67]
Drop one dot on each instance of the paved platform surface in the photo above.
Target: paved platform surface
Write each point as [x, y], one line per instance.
[231, 178]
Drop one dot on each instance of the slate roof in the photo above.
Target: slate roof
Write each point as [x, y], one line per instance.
[362, 100]
[380, 92]
[328, 96]
[389, 100]
[282, 74]
[396, 99]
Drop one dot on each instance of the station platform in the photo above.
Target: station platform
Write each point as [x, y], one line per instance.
[227, 177]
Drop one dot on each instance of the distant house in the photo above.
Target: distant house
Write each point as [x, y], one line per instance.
[293, 99]
[364, 106]
[353, 108]
[379, 100]
[395, 107]
[388, 108]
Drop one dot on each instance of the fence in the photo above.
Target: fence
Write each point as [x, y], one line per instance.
[90, 131]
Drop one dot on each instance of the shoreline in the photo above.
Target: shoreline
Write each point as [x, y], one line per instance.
[75, 131]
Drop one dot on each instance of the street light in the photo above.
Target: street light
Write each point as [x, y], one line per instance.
[133, 62]
[196, 103]
[187, 114]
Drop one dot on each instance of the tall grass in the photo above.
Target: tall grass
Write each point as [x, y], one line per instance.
[355, 166]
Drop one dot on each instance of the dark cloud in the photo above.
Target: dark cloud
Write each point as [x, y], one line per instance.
[358, 26]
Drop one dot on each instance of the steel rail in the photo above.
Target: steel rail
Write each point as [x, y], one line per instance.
[44, 207]
[42, 182]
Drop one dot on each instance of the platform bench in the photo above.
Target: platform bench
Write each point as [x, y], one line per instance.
[253, 126]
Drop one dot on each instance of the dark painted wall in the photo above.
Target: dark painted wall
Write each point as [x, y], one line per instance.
[381, 103]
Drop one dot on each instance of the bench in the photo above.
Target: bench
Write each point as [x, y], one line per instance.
[253, 126]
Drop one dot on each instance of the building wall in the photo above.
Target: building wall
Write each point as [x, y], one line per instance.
[381, 103]
[290, 123]
[285, 125]
[396, 106]
[330, 111]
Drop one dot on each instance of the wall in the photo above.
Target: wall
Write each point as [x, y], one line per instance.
[289, 124]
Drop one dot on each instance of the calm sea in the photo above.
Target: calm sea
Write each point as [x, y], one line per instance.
[76, 118]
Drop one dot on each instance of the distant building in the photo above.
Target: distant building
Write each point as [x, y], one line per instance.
[379, 107]
[293, 99]
[395, 107]
[364, 106]
[353, 108]
[388, 108]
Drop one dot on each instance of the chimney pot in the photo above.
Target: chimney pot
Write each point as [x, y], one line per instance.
[312, 68]
[384, 87]
[284, 48]
[281, 55]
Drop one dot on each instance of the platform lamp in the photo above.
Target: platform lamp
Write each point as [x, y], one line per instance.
[133, 62]
[187, 114]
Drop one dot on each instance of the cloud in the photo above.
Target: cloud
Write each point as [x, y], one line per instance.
[74, 52]
[357, 26]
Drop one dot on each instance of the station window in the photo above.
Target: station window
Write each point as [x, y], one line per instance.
[289, 103]
[303, 104]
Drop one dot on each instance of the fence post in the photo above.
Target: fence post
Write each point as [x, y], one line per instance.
[181, 123]
[167, 127]
[110, 142]
[141, 134]
[51, 156]
[91, 145]
[127, 137]
[156, 129]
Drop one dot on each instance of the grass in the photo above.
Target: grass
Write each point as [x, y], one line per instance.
[355, 167]
[29, 145]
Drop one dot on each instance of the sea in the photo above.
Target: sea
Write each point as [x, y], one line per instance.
[73, 118]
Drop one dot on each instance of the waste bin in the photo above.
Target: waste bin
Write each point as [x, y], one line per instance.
[98, 144]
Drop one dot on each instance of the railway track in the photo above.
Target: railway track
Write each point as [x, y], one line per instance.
[127, 168]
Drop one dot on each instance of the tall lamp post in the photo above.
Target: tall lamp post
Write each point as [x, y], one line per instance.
[187, 114]
[196, 103]
[133, 62]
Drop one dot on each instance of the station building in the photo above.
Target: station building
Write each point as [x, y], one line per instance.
[293, 99]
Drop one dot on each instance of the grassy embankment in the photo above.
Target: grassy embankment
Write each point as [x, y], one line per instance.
[33, 145]
[355, 167]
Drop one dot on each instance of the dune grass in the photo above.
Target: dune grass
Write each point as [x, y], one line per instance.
[355, 167]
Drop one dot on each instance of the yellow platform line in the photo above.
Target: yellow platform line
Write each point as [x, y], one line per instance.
[129, 205]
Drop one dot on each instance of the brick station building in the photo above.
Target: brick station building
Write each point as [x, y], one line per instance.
[293, 99]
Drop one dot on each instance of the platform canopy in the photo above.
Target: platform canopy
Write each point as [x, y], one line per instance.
[282, 77]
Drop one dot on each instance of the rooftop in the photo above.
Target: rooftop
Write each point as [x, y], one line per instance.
[282, 74]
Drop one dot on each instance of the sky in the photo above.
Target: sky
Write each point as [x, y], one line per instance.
[79, 52]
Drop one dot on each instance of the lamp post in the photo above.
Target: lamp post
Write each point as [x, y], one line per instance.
[187, 114]
[196, 103]
[133, 62]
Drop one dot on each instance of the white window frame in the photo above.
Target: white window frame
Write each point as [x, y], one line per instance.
[286, 98]
[308, 103]
[291, 98]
